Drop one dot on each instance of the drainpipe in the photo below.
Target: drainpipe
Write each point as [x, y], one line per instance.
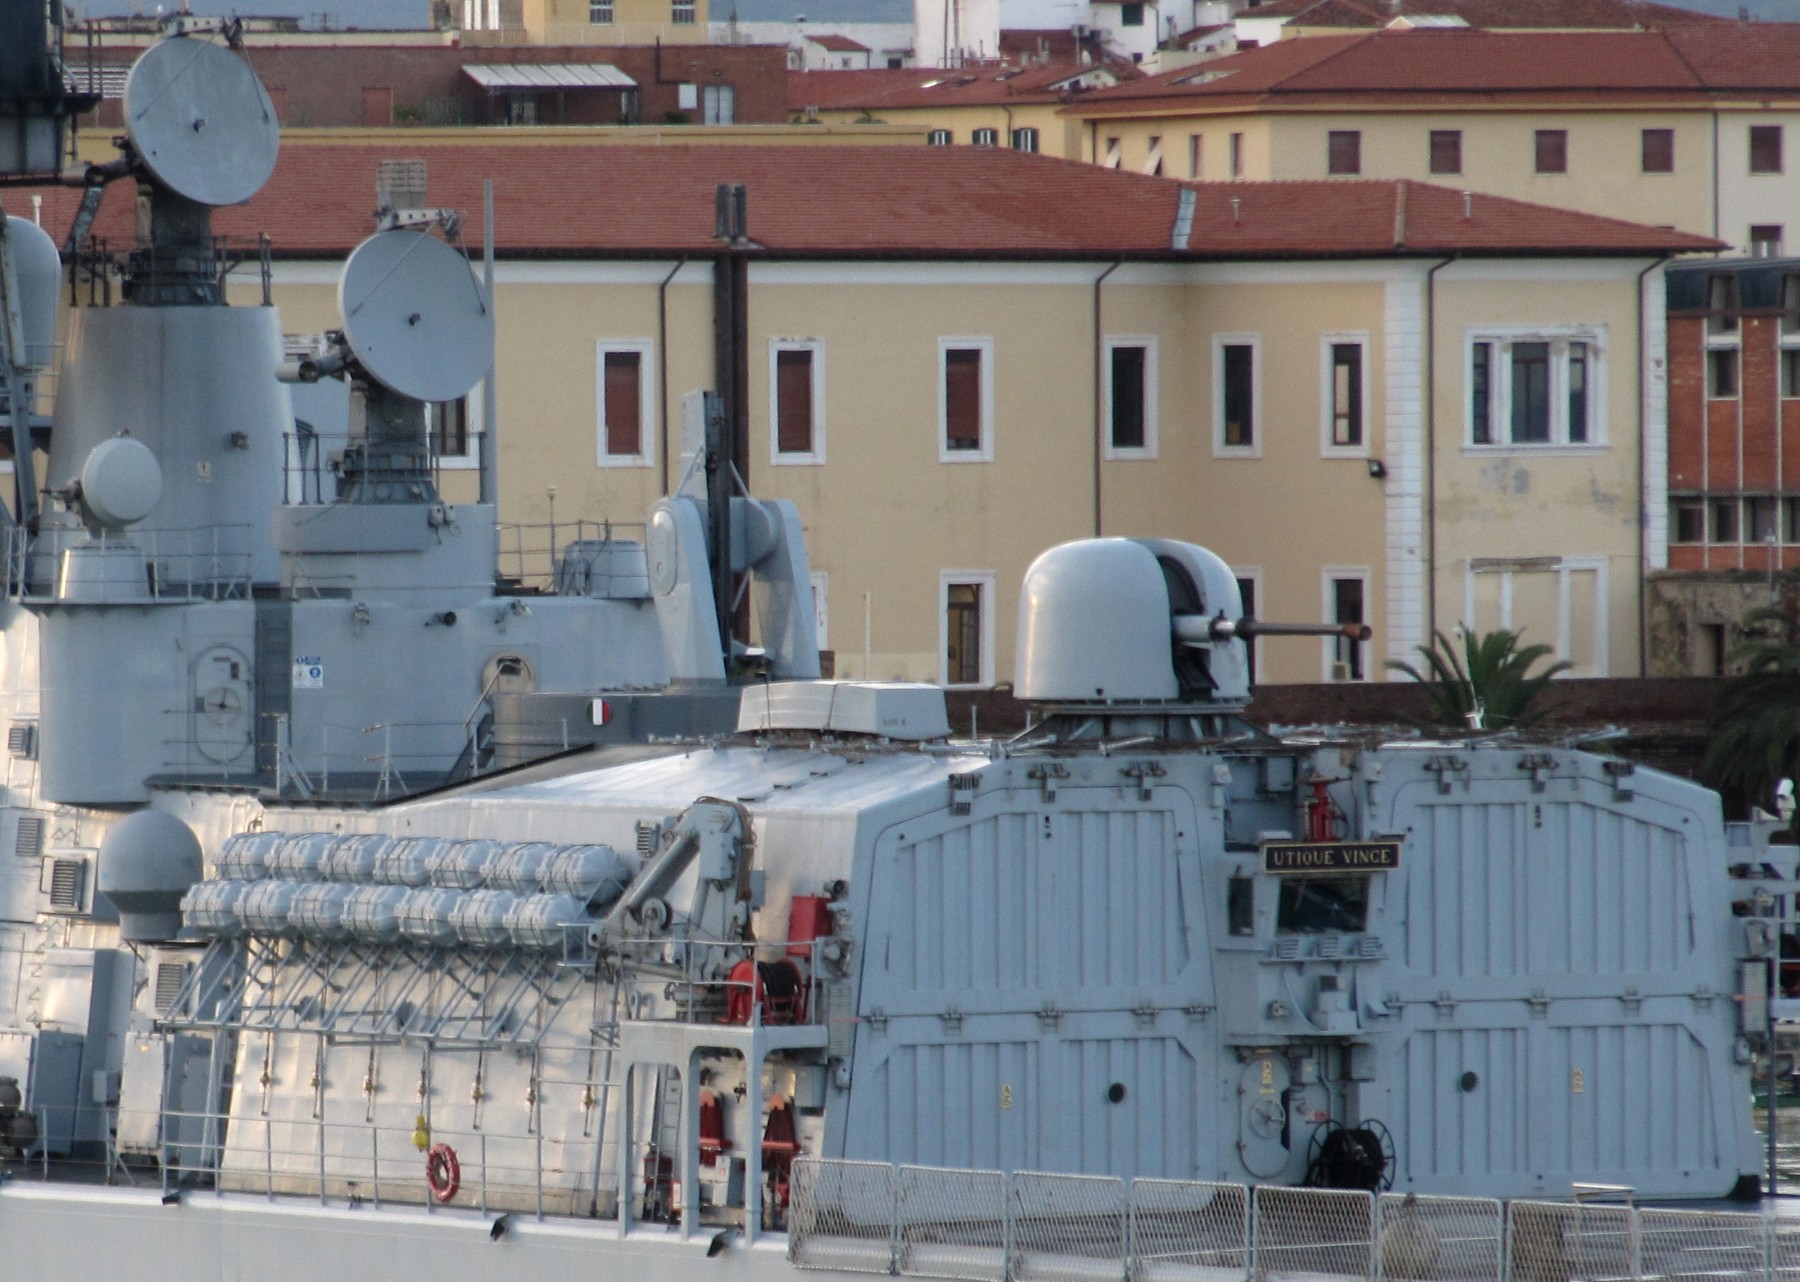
[1715, 180]
[489, 488]
[1643, 521]
[1431, 611]
[1099, 392]
[662, 366]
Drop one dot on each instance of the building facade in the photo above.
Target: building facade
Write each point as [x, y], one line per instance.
[1378, 403]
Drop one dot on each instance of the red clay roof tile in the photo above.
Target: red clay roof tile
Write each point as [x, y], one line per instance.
[849, 202]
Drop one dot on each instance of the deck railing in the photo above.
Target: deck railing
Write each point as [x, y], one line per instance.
[987, 1226]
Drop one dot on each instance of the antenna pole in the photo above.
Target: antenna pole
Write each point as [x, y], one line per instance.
[490, 397]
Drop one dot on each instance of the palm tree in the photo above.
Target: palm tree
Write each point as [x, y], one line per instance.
[1486, 683]
[1755, 737]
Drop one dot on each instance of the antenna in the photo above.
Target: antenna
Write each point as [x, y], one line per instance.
[200, 121]
[415, 316]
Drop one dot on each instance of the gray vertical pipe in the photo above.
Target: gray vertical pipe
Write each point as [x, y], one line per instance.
[490, 398]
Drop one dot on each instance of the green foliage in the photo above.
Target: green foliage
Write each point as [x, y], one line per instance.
[1491, 673]
[1755, 737]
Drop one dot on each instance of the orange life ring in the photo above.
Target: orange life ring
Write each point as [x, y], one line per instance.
[443, 1172]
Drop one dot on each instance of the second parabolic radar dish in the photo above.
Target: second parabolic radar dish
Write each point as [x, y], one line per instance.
[415, 316]
[201, 121]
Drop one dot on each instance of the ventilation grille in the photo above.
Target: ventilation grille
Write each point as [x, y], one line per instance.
[170, 976]
[649, 836]
[28, 841]
[400, 184]
[67, 878]
[21, 740]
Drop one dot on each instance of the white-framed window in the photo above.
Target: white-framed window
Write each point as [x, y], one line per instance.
[1025, 138]
[1153, 156]
[1195, 153]
[796, 400]
[683, 13]
[625, 395]
[821, 594]
[600, 12]
[1128, 391]
[1555, 601]
[985, 137]
[1535, 388]
[1344, 395]
[966, 629]
[965, 400]
[1114, 156]
[1345, 600]
[1235, 160]
[1250, 590]
[718, 105]
[455, 428]
[1237, 395]
[940, 138]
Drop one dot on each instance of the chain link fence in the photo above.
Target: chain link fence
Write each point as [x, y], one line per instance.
[986, 1226]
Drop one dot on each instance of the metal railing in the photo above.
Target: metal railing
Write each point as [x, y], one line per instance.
[987, 1226]
[203, 563]
[551, 556]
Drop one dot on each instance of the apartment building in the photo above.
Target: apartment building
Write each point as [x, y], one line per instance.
[998, 105]
[1382, 401]
[1690, 126]
[1272, 20]
[1734, 457]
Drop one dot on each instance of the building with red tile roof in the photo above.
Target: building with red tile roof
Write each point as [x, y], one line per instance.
[951, 359]
[1682, 125]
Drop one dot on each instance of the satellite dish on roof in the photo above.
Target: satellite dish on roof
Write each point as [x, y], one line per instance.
[415, 316]
[201, 121]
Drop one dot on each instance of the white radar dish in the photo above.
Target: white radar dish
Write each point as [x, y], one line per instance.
[201, 121]
[415, 316]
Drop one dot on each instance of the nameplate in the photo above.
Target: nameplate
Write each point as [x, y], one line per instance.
[1285, 857]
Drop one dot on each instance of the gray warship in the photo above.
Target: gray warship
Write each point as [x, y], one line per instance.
[366, 915]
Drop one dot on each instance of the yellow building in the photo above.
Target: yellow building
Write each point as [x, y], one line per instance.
[993, 106]
[1682, 127]
[1375, 400]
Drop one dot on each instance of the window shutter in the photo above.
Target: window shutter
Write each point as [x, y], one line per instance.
[624, 422]
[962, 398]
[794, 402]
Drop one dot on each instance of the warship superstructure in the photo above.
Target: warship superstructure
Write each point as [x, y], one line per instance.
[314, 972]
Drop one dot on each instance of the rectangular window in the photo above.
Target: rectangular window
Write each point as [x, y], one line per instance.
[1247, 581]
[940, 138]
[683, 13]
[1688, 520]
[1760, 519]
[1115, 155]
[1194, 155]
[966, 399]
[985, 138]
[600, 12]
[796, 378]
[624, 393]
[1345, 590]
[1790, 304]
[1790, 520]
[967, 623]
[1790, 372]
[1446, 151]
[1237, 155]
[718, 105]
[1130, 398]
[1535, 389]
[1765, 149]
[1724, 514]
[1132, 14]
[1722, 303]
[455, 428]
[1722, 373]
[1553, 151]
[1343, 152]
[1235, 401]
[1765, 240]
[1344, 393]
[1153, 157]
[1659, 151]
[1025, 139]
